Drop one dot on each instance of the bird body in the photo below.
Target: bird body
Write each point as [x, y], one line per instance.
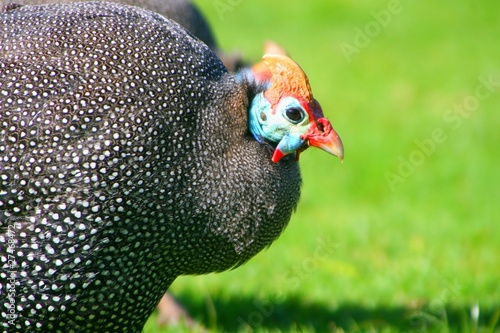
[183, 12]
[126, 161]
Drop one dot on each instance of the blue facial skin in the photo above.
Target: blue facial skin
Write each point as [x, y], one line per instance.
[245, 74]
[290, 143]
[278, 127]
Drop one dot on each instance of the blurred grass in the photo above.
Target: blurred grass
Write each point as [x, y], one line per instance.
[358, 255]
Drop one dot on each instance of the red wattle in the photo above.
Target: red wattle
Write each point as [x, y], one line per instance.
[277, 155]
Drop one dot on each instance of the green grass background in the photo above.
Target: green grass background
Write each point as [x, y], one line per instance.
[361, 255]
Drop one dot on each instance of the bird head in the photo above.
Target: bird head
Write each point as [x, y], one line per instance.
[287, 115]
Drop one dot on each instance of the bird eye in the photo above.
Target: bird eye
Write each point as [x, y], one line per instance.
[263, 116]
[295, 115]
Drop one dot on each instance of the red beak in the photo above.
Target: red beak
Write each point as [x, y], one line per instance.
[322, 135]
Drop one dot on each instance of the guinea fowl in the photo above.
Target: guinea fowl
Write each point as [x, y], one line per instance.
[188, 15]
[127, 161]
